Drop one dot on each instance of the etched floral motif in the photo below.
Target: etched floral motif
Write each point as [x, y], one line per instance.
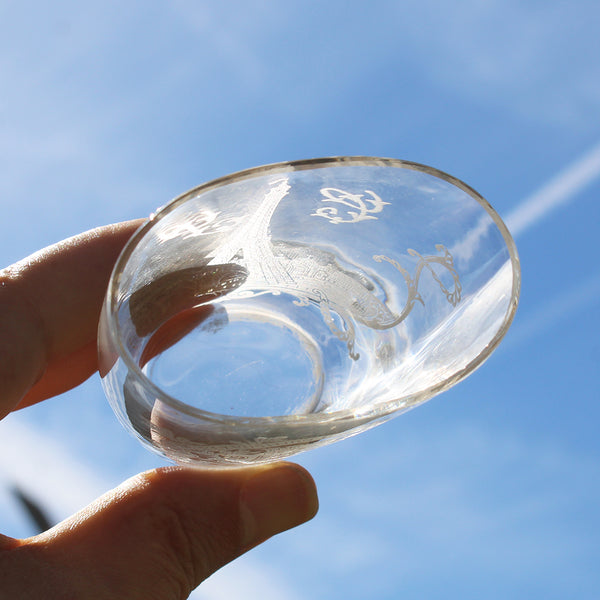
[357, 208]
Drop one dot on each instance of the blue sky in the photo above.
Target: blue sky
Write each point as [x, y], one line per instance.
[110, 109]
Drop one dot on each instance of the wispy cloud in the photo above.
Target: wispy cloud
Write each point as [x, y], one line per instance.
[437, 507]
[465, 50]
[245, 578]
[561, 306]
[44, 468]
[559, 191]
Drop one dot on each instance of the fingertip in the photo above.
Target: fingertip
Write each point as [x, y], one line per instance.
[274, 499]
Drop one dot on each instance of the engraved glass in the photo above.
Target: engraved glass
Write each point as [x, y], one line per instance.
[292, 305]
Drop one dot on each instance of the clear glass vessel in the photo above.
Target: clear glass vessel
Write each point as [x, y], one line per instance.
[295, 304]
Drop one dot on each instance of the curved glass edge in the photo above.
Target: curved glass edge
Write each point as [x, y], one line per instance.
[374, 414]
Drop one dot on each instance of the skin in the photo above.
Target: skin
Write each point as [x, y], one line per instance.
[159, 534]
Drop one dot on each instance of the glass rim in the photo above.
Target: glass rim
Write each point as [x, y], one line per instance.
[375, 411]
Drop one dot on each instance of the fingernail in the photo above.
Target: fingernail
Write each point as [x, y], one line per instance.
[274, 499]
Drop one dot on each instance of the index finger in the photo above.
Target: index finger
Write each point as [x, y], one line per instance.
[49, 309]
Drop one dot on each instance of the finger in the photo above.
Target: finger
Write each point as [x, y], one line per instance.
[174, 330]
[49, 308]
[169, 295]
[63, 374]
[162, 533]
[162, 307]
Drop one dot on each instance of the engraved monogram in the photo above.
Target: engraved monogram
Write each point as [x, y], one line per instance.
[356, 208]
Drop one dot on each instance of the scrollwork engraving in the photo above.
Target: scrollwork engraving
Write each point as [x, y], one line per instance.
[453, 296]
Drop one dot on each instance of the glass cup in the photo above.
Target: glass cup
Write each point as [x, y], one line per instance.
[296, 304]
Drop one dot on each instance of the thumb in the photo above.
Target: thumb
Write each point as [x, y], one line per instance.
[160, 534]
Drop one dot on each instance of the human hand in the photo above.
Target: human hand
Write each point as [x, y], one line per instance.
[159, 534]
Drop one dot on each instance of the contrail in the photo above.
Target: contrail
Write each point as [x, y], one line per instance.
[560, 190]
